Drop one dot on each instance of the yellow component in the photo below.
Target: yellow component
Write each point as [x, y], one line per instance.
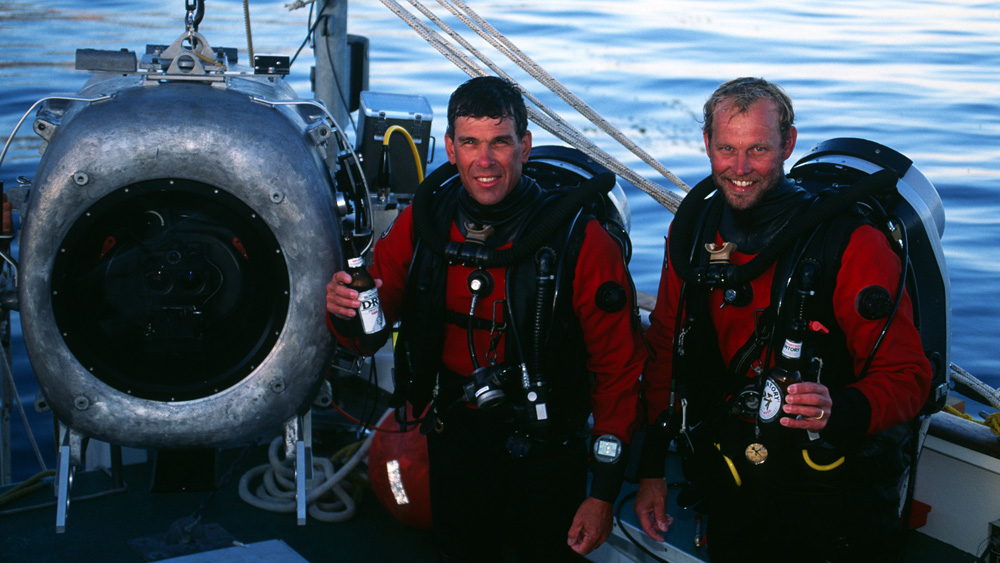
[413, 147]
[818, 467]
[992, 420]
[732, 467]
[208, 60]
[952, 410]
[29, 486]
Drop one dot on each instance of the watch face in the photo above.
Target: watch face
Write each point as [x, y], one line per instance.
[607, 449]
[756, 453]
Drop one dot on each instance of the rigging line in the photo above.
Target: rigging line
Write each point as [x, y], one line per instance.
[310, 28]
[496, 68]
[985, 391]
[493, 36]
[458, 37]
[665, 198]
[569, 134]
[246, 23]
[434, 40]
[557, 125]
[566, 132]
[572, 135]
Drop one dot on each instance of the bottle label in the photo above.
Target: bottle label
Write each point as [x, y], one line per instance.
[356, 262]
[770, 401]
[370, 312]
[791, 349]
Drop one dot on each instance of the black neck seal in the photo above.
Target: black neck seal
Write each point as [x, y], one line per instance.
[435, 237]
[686, 229]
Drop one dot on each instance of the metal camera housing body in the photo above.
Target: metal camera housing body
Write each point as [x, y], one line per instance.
[260, 166]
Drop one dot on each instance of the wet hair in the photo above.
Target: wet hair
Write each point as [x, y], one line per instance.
[488, 96]
[741, 93]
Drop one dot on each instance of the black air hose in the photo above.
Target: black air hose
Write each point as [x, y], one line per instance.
[545, 261]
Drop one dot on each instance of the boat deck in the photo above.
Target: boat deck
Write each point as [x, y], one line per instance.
[680, 545]
[131, 525]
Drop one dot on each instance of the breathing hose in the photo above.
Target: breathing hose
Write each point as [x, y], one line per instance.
[545, 261]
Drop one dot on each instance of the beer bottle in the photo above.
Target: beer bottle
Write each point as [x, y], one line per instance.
[789, 364]
[785, 372]
[369, 323]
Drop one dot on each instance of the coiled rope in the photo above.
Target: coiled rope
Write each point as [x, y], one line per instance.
[331, 495]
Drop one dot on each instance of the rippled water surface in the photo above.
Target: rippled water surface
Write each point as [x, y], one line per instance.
[918, 76]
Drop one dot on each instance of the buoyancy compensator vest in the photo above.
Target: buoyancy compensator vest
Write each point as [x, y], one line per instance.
[544, 339]
[855, 182]
[912, 217]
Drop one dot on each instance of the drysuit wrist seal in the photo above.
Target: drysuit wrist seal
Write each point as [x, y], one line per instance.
[659, 435]
[608, 460]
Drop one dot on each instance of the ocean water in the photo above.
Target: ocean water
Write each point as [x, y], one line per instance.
[919, 76]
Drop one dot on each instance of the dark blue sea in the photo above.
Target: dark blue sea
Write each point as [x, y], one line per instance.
[920, 76]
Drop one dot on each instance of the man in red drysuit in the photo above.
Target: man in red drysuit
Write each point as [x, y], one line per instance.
[821, 485]
[510, 383]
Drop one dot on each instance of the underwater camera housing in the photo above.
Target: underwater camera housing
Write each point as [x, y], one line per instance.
[175, 247]
[915, 209]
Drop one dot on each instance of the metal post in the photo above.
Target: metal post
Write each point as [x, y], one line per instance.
[6, 399]
[332, 78]
[298, 447]
[70, 459]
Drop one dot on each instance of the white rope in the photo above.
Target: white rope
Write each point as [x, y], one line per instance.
[985, 391]
[276, 492]
[550, 121]
[501, 43]
[571, 131]
[553, 123]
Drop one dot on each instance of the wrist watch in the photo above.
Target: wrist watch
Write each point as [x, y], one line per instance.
[607, 448]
